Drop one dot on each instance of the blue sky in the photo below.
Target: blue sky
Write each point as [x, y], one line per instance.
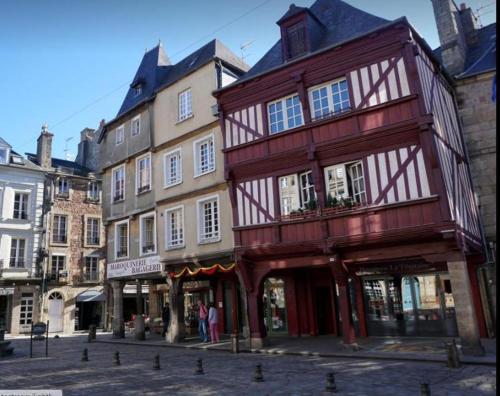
[69, 63]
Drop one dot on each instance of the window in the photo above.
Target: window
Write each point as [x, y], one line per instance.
[62, 187]
[137, 89]
[136, 125]
[329, 99]
[173, 168]
[296, 40]
[148, 232]
[57, 264]
[296, 192]
[4, 155]
[185, 105]
[21, 206]
[346, 181]
[204, 156]
[285, 114]
[93, 231]
[208, 220]
[143, 172]
[93, 191]
[91, 272]
[118, 185]
[26, 309]
[120, 134]
[174, 227]
[59, 229]
[121, 239]
[17, 253]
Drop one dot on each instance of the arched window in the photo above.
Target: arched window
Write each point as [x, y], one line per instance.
[55, 296]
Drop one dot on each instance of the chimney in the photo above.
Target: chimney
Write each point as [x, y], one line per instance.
[469, 25]
[88, 149]
[451, 35]
[44, 148]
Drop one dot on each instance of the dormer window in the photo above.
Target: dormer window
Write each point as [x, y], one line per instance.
[4, 155]
[295, 40]
[137, 89]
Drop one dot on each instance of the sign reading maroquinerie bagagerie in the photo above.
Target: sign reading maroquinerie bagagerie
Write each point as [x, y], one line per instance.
[134, 267]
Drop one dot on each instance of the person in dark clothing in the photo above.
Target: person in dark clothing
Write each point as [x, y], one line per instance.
[165, 317]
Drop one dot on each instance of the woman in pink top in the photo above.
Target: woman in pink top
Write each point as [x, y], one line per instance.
[212, 322]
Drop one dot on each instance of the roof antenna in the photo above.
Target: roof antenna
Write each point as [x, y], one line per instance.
[67, 154]
[243, 48]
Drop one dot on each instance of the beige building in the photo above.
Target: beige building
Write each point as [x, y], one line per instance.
[165, 197]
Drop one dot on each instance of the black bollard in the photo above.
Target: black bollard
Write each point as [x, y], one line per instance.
[330, 383]
[116, 359]
[85, 356]
[452, 357]
[258, 374]
[156, 362]
[199, 367]
[425, 390]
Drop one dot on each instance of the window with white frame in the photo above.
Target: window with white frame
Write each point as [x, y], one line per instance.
[91, 270]
[148, 233]
[17, 253]
[93, 191]
[20, 206]
[57, 264]
[329, 99]
[135, 126]
[208, 220]
[120, 134]
[93, 231]
[285, 113]
[62, 187]
[296, 192]
[118, 183]
[137, 89]
[185, 105]
[174, 227]
[143, 173]
[26, 309]
[60, 229]
[346, 181]
[172, 168]
[121, 239]
[204, 156]
[4, 155]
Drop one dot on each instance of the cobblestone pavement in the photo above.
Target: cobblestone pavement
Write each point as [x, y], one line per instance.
[225, 373]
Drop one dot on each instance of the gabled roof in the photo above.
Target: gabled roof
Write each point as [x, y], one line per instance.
[481, 57]
[4, 143]
[341, 22]
[293, 10]
[73, 167]
[156, 72]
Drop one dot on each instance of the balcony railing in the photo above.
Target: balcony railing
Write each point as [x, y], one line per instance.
[302, 214]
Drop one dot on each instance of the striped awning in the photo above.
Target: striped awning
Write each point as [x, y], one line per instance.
[186, 271]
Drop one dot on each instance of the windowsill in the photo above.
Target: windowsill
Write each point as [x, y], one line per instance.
[116, 201]
[173, 184]
[176, 247]
[143, 191]
[203, 174]
[285, 130]
[121, 257]
[144, 254]
[20, 221]
[62, 196]
[59, 243]
[184, 119]
[92, 200]
[91, 246]
[208, 241]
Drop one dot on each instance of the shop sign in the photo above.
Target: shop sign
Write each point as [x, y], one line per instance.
[141, 266]
[190, 285]
[5, 291]
[401, 268]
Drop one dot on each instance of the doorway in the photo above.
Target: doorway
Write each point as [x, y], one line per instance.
[324, 312]
[275, 318]
[56, 307]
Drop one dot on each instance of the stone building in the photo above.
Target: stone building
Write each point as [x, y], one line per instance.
[73, 266]
[21, 229]
[468, 53]
[164, 189]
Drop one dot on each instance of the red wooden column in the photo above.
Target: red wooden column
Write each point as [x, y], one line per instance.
[219, 306]
[476, 298]
[360, 304]
[340, 275]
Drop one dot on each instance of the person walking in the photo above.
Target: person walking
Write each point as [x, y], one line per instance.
[212, 322]
[165, 317]
[202, 321]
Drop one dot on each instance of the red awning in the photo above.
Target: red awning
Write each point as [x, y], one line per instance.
[202, 270]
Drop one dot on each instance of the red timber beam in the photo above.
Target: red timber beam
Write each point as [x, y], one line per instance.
[476, 298]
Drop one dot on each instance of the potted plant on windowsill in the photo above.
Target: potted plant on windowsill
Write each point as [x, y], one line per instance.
[310, 209]
[334, 205]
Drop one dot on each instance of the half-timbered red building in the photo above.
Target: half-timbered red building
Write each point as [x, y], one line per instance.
[352, 202]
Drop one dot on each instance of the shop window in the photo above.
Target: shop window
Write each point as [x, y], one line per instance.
[26, 309]
[275, 318]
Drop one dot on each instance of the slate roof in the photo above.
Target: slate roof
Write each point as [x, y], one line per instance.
[341, 22]
[25, 163]
[156, 72]
[481, 57]
[71, 166]
[4, 143]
